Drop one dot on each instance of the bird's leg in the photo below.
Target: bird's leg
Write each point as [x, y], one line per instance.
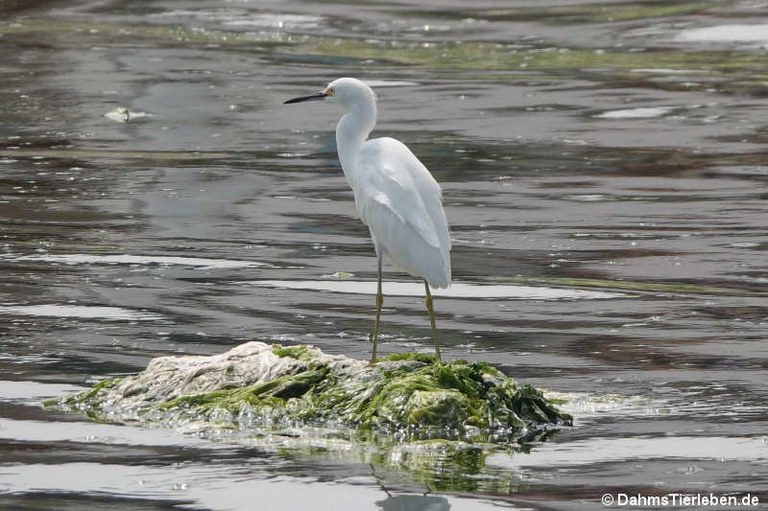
[377, 323]
[431, 310]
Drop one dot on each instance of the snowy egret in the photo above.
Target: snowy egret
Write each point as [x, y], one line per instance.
[395, 196]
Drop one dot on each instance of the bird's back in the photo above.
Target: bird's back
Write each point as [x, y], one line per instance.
[400, 201]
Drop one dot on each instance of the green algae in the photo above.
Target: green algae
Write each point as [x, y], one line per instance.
[273, 394]
[420, 357]
[93, 392]
[499, 57]
[300, 352]
[596, 13]
[409, 393]
[468, 55]
[726, 69]
[456, 396]
[437, 422]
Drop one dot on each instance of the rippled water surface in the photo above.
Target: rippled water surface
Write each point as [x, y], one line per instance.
[604, 173]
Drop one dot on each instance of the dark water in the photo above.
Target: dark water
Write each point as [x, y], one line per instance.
[604, 172]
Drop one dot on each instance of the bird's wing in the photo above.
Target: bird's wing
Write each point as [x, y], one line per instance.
[390, 176]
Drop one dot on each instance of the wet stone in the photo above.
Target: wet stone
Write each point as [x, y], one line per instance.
[274, 386]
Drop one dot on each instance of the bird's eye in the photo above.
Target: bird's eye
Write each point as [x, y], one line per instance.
[329, 91]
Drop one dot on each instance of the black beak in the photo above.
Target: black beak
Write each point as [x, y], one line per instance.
[314, 96]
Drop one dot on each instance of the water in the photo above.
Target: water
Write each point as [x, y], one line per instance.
[604, 174]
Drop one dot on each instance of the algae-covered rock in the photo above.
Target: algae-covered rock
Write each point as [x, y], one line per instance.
[258, 385]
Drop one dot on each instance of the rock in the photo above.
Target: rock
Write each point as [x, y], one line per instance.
[273, 386]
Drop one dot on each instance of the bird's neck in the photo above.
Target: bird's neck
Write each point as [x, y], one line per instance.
[352, 131]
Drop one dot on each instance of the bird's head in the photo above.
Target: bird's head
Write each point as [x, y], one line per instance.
[346, 91]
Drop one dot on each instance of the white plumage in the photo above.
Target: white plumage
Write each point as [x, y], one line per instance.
[401, 203]
[395, 194]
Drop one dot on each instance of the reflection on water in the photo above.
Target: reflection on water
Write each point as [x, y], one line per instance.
[457, 290]
[77, 311]
[603, 167]
[755, 34]
[135, 260]
[414, 503]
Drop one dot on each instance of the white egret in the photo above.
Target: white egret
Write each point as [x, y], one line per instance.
[395, 196]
